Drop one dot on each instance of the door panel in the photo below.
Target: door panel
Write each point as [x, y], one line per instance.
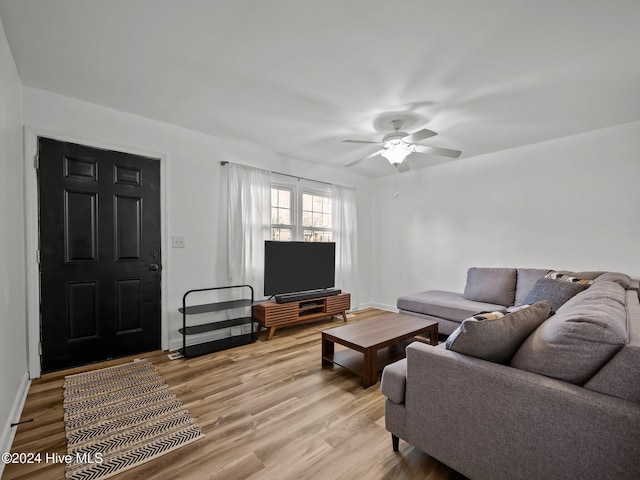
[99, 233]
[128, 301]
[127, 222]
[82, 315]
[80, 226]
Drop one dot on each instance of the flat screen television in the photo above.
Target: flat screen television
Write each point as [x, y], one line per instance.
[298, 266]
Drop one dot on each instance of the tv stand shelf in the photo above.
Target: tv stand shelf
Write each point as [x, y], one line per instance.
[272, 315]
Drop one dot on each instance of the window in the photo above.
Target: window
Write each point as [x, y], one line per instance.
[316, 218]
[300, 212]
[281, 214]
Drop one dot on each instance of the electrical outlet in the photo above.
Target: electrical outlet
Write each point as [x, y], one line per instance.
[177, 242]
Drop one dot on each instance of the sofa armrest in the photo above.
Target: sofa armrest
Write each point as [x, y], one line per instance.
[493, 421]
[394, 380]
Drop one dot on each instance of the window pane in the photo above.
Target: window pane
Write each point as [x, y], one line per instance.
[317, 219]
[284, 217]
[326, 220]
[326, 205]
[285, 199]
[285, 234]
[274, 215]
[281, 234]
[306, 219]
[274, 197]
[306, 201]
[317, 204]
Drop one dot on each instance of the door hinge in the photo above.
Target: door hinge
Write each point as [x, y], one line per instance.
[36, 161]
[40, 348]
[38, 256]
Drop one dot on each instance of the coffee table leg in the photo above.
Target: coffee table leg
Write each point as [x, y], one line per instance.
[328, 348]
[370, 376]
[433, 335]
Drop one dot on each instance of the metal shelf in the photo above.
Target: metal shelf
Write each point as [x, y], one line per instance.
[217, 345]
[208, 327]
[223, 343]
[216, 306]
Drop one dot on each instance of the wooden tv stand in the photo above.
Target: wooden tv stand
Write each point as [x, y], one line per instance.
[272, 315]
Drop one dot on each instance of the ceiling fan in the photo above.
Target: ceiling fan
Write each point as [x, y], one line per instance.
[397, 145]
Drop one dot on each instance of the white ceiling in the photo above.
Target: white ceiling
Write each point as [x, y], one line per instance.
[298, 76]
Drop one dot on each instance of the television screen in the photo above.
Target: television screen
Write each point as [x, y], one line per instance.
[298, 266]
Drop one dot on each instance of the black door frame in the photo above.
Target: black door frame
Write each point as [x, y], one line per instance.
[31, 135]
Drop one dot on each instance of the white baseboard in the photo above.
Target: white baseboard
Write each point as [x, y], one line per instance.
[381, 306]
[8, 433]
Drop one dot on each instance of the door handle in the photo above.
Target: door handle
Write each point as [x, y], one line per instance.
[154, 267]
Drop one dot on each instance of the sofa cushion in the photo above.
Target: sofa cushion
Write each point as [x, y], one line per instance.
[495, 336]
[491, 285]
[622, 279]
[526, 279]
[578, 340]
[620, 377]
[596, 291]
[443, 304]
[556, 292]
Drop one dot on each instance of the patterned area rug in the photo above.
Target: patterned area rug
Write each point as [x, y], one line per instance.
[119, 417]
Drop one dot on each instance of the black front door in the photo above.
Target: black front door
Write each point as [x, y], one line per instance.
[100, 254]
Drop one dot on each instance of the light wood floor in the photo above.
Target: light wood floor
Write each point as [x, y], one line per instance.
[268, 410]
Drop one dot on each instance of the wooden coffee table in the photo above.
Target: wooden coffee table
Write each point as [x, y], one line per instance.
[373, 344]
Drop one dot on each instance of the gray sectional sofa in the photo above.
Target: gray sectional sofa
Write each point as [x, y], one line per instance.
[565, 405]
[487, 289]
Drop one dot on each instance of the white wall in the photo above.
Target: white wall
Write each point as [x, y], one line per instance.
[570, 203]
[13, 354]
[192, 176]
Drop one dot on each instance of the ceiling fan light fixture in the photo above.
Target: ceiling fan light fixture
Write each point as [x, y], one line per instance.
[396, 151]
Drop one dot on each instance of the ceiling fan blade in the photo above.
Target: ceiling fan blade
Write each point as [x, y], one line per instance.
[416, 162]
[355, 162]
[444, 152]
[404, 166]
[419, 135]
[358, 141]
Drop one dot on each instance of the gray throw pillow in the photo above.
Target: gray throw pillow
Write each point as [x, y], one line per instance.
[556, 292]
[496, 336]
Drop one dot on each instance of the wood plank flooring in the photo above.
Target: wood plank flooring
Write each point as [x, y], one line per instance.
[268, 410]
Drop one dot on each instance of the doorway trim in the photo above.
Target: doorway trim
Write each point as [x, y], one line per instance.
[31, 135]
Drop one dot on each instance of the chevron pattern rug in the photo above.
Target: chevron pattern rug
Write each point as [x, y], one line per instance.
[119, 417]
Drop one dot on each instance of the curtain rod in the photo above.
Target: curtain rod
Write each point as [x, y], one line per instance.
[224, 163]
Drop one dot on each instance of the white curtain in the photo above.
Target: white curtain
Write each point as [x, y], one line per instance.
[345, 236]
[248, 225]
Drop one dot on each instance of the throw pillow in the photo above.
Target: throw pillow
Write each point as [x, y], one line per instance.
[491, 285]
[556, 292]
[496, 336]
[568, 277]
